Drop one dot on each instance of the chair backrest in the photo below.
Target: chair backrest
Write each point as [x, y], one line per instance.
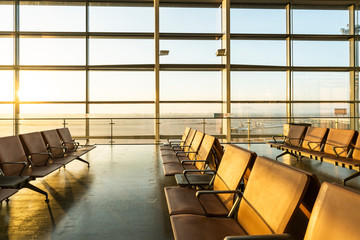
[195, 144]
[11, 150]
[341, 138]
[335, 214]
[356, 152]
[52, 139]
[204, 152]
[185, 134]
[189, 139]
[233, 166]
[314, 137]
[34, 143]
[67, 139]
[273, 193]
[295, 135]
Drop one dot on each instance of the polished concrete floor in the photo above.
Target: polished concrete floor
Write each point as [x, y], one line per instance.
[119, 197]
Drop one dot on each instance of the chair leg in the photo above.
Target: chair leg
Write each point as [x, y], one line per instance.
[350, 177]
[287, 152]
[36, 189]
[82, 160]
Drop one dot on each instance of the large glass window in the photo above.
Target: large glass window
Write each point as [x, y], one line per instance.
[121, 19]
[244, 20]
[258, 85]
[321, 53]
[52, 86]
[307, 21]
[189, 86]
[190, 20]
[122, 86]
[321, 86]
[258, 110]
[121, 51]
[52, 51]
[52, 18]
[258, 52]
[52, 110]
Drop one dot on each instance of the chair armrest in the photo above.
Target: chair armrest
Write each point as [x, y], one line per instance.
[308, 143]
[283, 138]
[192, 161]
[202, 192]
[184, 152]
[336, 147]
[293, 139]
[262, 237]
[23, 163]
[192, 171]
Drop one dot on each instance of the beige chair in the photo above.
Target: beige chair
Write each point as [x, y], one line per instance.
[71, 144]
[234, 164]
[174, 141]
[335, 216]
[273, 193]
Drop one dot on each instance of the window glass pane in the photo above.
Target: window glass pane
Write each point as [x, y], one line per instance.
[190, 86]
[268, 127]
[52, 110]
[122, 110]
[52, 18]
[258, 109]
[190, 20]
[121, 51]
[122, 86]
[321, 53]
[244, 20]
[318, 109]
[6, 126]
[6, 51]
[319, 21]
[121, 19]
[321, 86]
[7, 86]
[256, 52]
[177, 126]
[6, 110]
[189, 109]
[190, 51]
[6, 16]
[52, 51]
[258, 85]
[52, 86]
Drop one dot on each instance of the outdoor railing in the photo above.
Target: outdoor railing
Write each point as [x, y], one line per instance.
[135, 130]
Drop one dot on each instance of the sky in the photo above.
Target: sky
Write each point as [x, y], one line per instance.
[139, 86]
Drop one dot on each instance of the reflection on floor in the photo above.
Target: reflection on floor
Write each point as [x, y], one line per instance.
[119, 197]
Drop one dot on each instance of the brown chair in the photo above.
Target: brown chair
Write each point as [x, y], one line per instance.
[37, 151]
[13, 162]
[202, 159]
[71, 144]
[234, 164]
[334, 216]
[56, 147]
[6, 193]
[273, 193]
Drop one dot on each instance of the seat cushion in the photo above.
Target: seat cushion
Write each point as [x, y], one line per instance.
[171, 169]
[183, 200]
[44, 170]
[196, 227]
